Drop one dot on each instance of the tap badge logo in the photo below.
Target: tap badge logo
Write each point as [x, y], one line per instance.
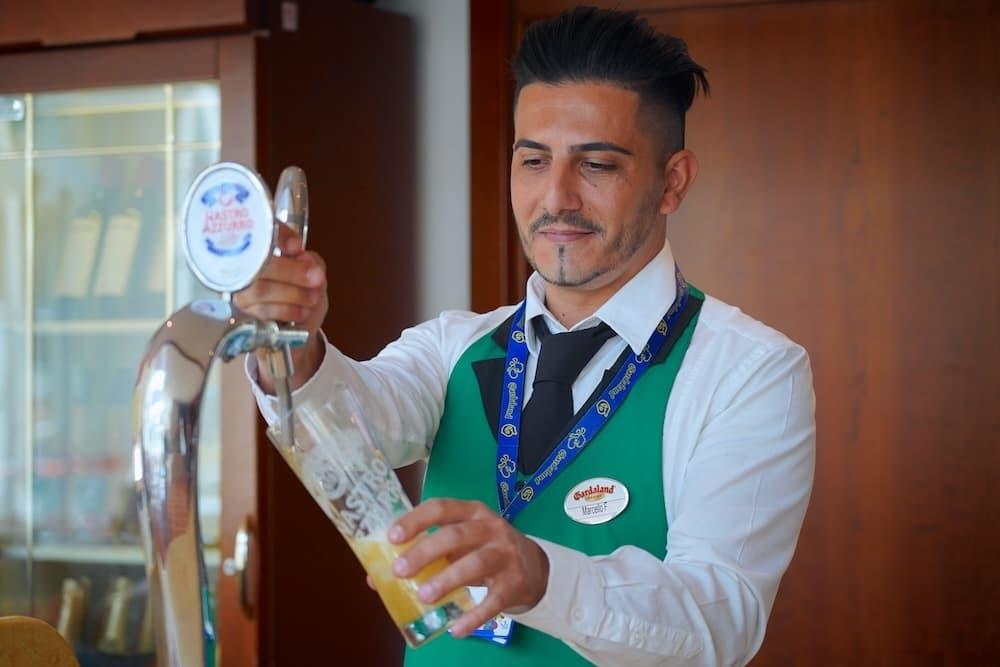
[227, 226]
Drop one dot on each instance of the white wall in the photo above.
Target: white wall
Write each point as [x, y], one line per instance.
[441, 32]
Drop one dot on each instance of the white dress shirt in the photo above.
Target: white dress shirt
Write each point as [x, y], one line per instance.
[738, 457]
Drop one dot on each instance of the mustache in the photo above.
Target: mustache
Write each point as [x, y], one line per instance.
[573, 220]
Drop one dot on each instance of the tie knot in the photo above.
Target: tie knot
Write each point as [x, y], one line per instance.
[563, 355]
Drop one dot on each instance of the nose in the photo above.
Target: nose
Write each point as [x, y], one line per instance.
[561, 193]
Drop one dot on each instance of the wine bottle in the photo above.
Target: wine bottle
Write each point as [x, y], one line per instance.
[72, 609]
[82, 239]
[113, 635]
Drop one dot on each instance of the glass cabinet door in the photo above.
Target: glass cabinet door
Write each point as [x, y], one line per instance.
[91, 185]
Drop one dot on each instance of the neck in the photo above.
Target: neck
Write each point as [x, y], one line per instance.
[570, 305]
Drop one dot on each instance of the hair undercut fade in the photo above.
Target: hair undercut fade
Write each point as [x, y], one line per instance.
[590, 45]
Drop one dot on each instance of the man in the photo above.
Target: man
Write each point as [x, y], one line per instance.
[631, 382]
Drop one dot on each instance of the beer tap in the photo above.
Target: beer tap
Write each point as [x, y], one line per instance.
[228, 233]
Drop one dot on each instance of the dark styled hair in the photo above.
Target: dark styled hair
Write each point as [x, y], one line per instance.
[593, 45]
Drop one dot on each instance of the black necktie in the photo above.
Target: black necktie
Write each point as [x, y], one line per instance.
[547, 414]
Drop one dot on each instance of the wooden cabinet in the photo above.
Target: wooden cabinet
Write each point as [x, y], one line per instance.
[334, 96]
[53, 22]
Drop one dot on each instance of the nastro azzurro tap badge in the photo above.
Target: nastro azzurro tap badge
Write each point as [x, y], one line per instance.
[227, 226]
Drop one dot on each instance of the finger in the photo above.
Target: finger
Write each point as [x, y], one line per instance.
[303, 270]
[288, 241]
[318, 259]
[473, 569]
[452, 542]
[487, 609]
[435, 512]
[370, 582]
[266, 290]
[281, 312]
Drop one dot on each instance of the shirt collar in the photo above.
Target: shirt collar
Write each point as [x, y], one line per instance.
[632, 312]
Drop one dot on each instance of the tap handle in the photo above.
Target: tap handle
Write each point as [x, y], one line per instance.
[291, 201]
[291, 207]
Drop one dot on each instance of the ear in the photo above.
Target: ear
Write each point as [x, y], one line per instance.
[678, 175]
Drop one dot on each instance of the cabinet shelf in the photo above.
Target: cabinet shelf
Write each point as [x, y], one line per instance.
[102, 109]
[101, 554]
[97, 151]
[50, 327]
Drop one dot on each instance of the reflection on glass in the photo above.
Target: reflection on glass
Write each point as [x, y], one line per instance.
[12, 110]
[196, 116]
[13, 497]
[123, 117]
[98, 233]
[105, 181]
[83, 485]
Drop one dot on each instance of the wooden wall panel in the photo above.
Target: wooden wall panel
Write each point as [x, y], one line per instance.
[347, 118]
[490, 24]
[850, 197]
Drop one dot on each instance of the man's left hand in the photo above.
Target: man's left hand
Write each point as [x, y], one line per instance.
[482, 550]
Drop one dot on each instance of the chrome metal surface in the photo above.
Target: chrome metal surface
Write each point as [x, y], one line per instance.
[291, 201]
[291, 207]
[167, 405]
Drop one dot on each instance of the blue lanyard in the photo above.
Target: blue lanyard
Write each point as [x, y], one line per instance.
[585, 429]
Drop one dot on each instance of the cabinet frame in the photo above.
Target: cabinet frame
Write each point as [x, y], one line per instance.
[229, 60]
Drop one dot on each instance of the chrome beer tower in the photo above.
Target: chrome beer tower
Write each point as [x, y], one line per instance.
[229, 231]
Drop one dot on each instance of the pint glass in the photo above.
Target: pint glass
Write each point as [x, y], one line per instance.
[345, 469]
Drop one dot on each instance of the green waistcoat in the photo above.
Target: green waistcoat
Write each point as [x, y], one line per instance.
[629, 449]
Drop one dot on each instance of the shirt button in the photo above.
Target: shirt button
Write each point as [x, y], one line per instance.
[636, 638]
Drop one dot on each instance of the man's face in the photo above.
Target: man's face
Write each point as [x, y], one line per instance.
[585, 184]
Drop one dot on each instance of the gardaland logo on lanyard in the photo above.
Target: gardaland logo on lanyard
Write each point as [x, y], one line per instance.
[596, 500]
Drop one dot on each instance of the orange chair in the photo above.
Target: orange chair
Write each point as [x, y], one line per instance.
[30, 642]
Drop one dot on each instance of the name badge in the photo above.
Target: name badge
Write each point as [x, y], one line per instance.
[596, 500]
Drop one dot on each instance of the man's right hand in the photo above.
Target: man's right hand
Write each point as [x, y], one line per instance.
[290, 288]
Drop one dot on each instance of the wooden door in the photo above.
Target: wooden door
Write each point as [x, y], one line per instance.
[850, 197]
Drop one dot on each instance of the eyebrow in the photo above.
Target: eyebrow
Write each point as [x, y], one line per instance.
[589, 147]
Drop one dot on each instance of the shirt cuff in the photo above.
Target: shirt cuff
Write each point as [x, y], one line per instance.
[571, 606]
[312, 389]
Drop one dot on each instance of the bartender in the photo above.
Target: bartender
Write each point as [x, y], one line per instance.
[622, 461]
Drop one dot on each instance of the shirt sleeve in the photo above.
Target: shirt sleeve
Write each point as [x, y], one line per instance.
[401, 390]
[732, 534]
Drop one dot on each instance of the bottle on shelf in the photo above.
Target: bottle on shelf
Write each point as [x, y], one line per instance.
[83, 236]
[112, 637]
[73, 608]
[128, 247]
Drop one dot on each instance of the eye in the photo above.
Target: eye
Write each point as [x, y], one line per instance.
[533, 162]
[601, 167]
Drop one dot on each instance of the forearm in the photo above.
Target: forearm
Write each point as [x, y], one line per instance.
[630, 608]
